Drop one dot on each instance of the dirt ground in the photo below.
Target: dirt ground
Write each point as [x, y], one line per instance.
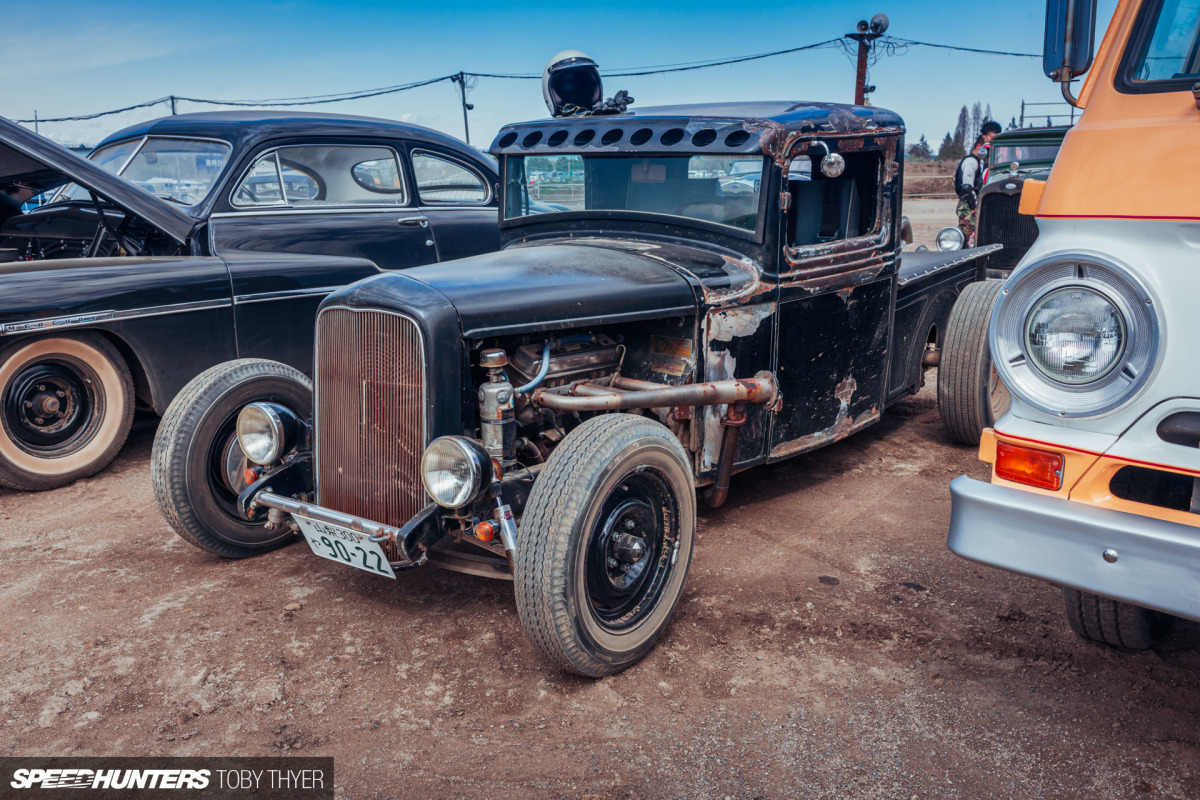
[828, 646]
[929, 215]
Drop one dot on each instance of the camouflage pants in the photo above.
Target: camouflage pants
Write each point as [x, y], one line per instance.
[966, 221]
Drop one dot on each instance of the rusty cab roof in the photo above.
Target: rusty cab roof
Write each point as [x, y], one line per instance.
[758, 128]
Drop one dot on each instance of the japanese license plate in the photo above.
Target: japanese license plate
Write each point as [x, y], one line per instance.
[344, 546]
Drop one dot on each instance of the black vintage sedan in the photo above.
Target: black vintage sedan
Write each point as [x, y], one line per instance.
[194, 239]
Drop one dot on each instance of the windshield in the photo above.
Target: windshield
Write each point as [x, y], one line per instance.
[1005, 154]
[1173, 49]
[180, 170]
[708, 188]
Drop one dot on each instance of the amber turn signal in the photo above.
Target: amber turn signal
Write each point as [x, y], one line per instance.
[1029, 466]
[250, 475]
[485, 531]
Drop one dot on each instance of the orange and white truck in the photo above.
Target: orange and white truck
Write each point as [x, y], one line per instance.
[1095, 480]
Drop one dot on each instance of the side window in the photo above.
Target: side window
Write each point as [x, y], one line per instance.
[827, 209]
[261, 186]
[324, 175]
[1172, 50]
[440, 180]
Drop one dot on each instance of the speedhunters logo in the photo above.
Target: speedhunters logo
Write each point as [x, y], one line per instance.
[77, 779]
[110, 779]
[291, 778]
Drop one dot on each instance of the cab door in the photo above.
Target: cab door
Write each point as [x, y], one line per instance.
[835, 305]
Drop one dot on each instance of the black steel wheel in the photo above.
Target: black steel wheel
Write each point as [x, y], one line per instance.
[1113, 622]
[66, 407]
[605, 544]
[197, 466]
[971, 395]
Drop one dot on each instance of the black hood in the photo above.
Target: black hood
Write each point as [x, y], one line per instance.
[35, 161]
[541, 287]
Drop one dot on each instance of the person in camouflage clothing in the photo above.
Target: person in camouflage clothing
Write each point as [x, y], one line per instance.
[968, 180]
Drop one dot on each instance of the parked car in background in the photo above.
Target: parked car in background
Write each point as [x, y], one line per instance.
[1095, 480]
[190, 240]
[1015, 157]
[472, 416]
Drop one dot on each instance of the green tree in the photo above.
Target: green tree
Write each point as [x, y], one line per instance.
[950, 150]
[920, 150]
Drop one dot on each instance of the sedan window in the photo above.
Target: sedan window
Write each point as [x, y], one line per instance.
[180, 170]
[323, 176]
[260, 187]
[442, 181]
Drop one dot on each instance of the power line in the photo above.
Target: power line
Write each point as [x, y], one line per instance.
[894, 46]
[962, 49]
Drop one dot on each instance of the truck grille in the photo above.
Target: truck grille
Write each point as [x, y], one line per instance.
[370, 415]
[999, 223]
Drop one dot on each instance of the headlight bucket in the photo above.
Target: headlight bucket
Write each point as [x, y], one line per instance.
[455, 470]
[1075, 335]
[265, 431]
[950, 238]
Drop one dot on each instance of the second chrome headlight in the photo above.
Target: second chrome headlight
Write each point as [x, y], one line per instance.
[455, 470]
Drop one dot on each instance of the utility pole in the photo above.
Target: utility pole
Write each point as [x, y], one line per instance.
[172, 105]
[35, 121]
[865, 33]
[461, 80]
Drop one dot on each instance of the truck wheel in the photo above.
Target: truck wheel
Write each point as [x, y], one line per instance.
[605, 544]
[1113, 622]
[66, 407]
[196, 464]
[971, 396]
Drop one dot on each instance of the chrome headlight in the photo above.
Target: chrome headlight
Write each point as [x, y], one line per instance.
[950, 238]
[1074, 335]
[455, 470]
[265, 431]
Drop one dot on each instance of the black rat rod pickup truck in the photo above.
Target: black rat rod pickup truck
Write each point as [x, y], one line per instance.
[653, 323]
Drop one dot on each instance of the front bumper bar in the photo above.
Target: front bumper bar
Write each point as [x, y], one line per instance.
[407, 539]
[1063, 541]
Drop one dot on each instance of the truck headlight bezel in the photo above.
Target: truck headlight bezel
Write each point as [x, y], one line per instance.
[1035, 284]
[450, 454]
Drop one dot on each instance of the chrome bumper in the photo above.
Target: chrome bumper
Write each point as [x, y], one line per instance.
[405, 538]
[1157, 563]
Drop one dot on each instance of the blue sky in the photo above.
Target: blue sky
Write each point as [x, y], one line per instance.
[73, 58]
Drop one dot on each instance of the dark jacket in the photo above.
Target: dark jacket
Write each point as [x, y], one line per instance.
[968, 179]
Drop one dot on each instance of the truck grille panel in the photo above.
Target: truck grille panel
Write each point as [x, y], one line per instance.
[370, 415]
[999, 223]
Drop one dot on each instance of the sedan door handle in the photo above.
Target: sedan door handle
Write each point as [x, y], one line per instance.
[421, 221]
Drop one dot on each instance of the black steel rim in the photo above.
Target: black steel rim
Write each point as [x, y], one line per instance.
[224, 475]
[53, 406]
[630, 550]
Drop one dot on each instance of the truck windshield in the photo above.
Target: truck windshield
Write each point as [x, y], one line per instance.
[179, 170]
[1005, 154]
[716, 189]
[1173, 48]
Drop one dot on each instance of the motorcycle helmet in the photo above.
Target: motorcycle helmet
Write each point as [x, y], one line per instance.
[571, 78]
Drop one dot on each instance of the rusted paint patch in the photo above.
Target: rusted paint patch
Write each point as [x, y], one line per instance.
[718, 366]
[839, 430]
[727, 324]
[842, 427]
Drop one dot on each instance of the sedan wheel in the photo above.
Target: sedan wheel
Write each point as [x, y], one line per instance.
[66, 407]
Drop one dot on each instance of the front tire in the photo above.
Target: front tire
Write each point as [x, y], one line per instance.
[1113, 622]
[971, 395]
[66, 407]
[605, 544]
[196, 464]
